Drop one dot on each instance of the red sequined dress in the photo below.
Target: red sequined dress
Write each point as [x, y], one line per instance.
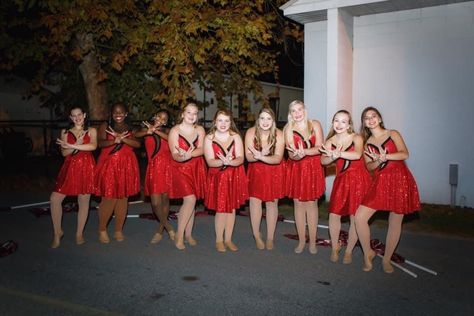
[77, 172]
[393, 188]
[117, 174]
[188, 177]
[266, 181]
[227, 186]
[305, 178]
[158, 174]
[350, 185]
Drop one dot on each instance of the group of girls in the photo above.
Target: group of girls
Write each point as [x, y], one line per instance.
[187, 163]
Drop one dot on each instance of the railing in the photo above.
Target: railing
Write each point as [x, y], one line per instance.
[19, 138]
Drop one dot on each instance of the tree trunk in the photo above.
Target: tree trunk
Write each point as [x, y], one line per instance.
[94, 79]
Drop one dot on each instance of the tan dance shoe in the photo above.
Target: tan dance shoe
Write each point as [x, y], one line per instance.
[57, 240]
[387, 267]
[179, 243]
[347, 259]
[368, 261]
[191, 241]
[220, 246]
[232, 247]
[259, 243]
[104, 237]
[119, 236]
[269, 244]
[80, 240]
[156, 238]
[312, 249]
[172, 234]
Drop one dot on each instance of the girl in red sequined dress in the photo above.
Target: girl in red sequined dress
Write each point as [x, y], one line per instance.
[305, 182]
[265, 146]
[227, 186]
[393, 188]
[158, 175]
[345, 148]
[188, 170]
[117, 175]
[76, 176]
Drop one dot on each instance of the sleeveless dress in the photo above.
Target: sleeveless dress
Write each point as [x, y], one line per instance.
[305, 178]
[266, 181]
[393, 188]
[188, 177]
[77, 172]
[158, 174]
[227, 186]
[350, 185]
[117, 173]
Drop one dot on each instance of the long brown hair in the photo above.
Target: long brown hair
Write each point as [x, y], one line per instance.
[364, 131]
[258, 131]
[233, 128]
[350, 130]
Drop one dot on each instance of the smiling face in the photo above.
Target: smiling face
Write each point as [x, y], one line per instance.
[119, 113]
[77, 117]
[161, 119]
[190, 114]
[297, 112]
[372, 119]
[222, 123]
[341, 123]
[265, 121]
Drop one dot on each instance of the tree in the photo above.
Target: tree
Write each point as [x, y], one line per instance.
[145, 52]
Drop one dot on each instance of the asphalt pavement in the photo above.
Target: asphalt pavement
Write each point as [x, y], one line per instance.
[134, 277]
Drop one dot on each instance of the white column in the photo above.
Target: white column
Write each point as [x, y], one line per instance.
[339, 63]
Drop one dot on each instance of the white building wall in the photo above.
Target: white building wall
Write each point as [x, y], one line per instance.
[315, 78]
[417, 67]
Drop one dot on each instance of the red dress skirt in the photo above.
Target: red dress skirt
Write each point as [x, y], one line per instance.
[117, 173]
[393, 188]
[305, 178]
[188, 177]
[77, 172]
[158, 174]
[350, 185]
[266, 182]
[227, 186]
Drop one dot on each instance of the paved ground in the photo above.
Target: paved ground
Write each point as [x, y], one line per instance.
[137, 278]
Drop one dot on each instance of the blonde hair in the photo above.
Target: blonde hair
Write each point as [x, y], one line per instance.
[233, 128]
[183, 108]
[350, 130]
[290, 126]
[258, 131]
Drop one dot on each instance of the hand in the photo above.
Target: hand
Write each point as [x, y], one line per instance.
[80, 139]
[300, 150]
[150, 128]
[326, 152]
[63, 143]
[382, 155]
[257, 155]
[372, 153]
[336, 154]
[266, 150]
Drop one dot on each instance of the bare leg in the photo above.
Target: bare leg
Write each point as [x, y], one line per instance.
[271, 219]
[120, 214]
[334, 231]
[219, 226]
[165, 208]
[229, 229]
[106, 208]
[185, 213]
[83, 213]
[351, 241]
[56, 200]
[393, 237]
[312, 218]
[300, 220]
[362, 217]
[219, 222]
[255, 219]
